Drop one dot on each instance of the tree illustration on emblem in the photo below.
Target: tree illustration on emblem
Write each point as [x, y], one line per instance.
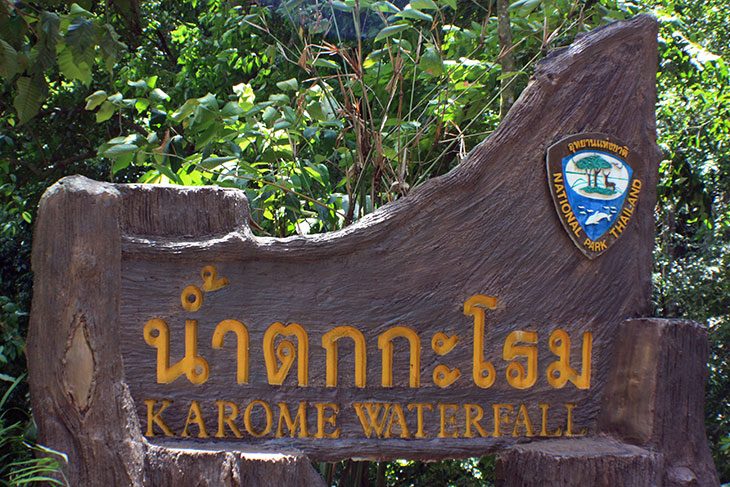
[593, 166]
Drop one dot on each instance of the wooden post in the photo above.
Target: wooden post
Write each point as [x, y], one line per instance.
[80, 398]
[651, 430]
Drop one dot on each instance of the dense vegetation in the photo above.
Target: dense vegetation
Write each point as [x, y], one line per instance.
[323, 111]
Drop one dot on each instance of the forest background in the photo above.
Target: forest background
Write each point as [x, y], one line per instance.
[323, 111]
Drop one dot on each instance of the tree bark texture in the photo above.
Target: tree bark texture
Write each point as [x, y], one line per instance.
[109, 258]
[80, 400]
[651, 428]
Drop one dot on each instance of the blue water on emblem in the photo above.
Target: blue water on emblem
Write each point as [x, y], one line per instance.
[596, 186]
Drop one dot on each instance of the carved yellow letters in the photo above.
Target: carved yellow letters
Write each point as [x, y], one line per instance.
[242, 345]
[560, 371]
[385, 343]
[211, 282]
[192, 365]
[155, 418]
[285, 352]
[329, 343]
[483, 370]
[248, 422]
[517, 376]
[224, 420]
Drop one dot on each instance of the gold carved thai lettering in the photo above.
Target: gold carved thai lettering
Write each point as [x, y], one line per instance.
[444, 376]
[482, 370]
[385, 343]
[285, 353]
[241, 332]
[192, 365]
[329, 343]
[560, 371]
[518, 376]
[211, 282]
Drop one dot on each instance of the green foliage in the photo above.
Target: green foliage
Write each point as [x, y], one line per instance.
[37, 41]
[17, 464]
[471, 472]
[592, 163]
[692, 268]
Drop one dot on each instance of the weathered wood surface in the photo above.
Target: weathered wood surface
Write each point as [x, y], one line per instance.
[108, 258]
[81, 402]
[655, 397]
[651, 427]
[579, 463]
[488, 227]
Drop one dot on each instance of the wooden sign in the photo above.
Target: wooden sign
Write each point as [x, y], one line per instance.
[458, 321]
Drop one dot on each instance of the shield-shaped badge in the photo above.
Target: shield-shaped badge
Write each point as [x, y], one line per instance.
[595, 188]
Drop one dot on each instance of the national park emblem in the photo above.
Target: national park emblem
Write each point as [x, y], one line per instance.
[595, 189]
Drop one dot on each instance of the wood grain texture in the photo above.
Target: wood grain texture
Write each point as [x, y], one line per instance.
[74, 332]
[109, 258]
[598, 462]
[488, 227]
[651, 427]
[655, 398]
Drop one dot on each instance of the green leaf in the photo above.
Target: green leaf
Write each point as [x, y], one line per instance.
[50, 23]
[341, 6]
[168, 173]
[72, 69]
[268, 114]
[525, 6]
[391, 31]
[111, 46]
[325, 63]
[279, 98]
[288, 85]
[123, 161]
[282, 124]
[385, 7]
[209, 102]
[411, 13]
[309, 132]
[8, 60]
[142, 104]
[231, 109]
[95, 99]
[450, 3]
[28, 98]
[508, 74]
[158, 95]
[315, 111]
[76, 11]
[48, 38]
[423, 4]
[431, 62]
[207, 136]
[119, 150]
[80, 35]
[213, 162]
[185, 110]
[105, 112]
[376, 55]
[26, 216]
[246, 97]
[139, 84]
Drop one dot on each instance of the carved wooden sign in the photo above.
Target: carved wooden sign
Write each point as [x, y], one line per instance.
[458, 321]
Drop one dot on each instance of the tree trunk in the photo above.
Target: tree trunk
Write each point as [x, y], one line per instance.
[506, 58]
